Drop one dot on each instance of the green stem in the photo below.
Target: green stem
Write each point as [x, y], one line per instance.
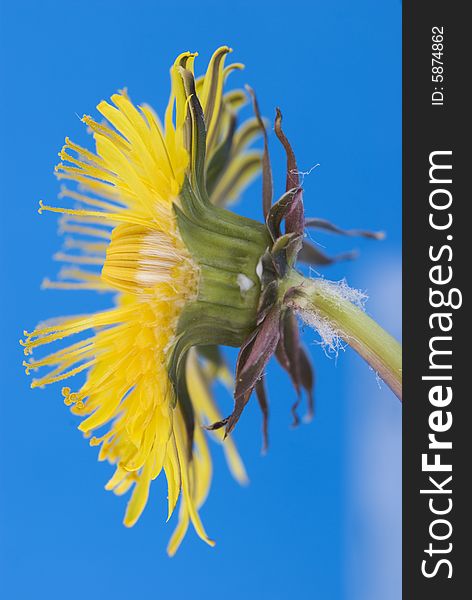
[325, 300]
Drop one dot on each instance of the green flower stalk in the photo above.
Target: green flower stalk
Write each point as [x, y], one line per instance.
[329, 308]
[149, 222]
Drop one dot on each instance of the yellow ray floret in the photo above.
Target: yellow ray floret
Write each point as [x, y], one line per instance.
[122, 237]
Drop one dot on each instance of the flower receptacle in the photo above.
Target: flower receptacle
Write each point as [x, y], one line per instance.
[227, 249]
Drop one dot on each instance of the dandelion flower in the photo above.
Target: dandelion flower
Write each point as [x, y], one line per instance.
[147, 219]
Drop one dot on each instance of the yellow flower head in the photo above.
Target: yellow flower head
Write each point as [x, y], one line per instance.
[148, 221]
[123, 221]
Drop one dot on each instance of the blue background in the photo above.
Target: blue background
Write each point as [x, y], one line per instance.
[321, 517]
